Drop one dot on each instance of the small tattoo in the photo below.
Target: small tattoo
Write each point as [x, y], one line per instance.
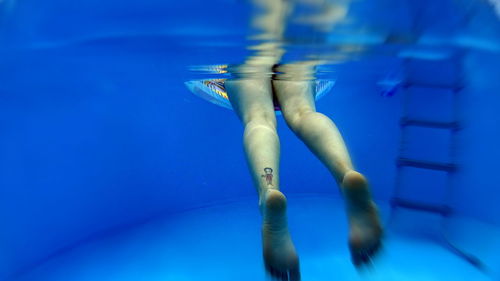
[268, 175]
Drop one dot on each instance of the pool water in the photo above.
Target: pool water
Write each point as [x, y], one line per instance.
[111, 169]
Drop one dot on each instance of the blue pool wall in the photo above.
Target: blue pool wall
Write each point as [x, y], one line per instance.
[105, 135]
[94, 151]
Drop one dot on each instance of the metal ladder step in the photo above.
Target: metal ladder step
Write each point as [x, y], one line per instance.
[407, 162]
[454, 125]
[420, 206]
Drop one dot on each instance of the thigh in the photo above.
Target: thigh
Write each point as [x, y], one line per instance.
[294, 96]
[294, 87]
[251, 98]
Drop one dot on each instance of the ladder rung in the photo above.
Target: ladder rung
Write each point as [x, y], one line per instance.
[429, 124]
[455, 88]
[447, 167]
[420, 206]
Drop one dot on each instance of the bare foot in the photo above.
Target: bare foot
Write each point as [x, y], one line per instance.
[280, 257]
[365, 230]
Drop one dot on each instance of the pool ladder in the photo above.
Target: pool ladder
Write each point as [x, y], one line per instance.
[415, 117]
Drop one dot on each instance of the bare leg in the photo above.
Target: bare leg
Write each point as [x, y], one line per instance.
[252, 100]
[322, 137]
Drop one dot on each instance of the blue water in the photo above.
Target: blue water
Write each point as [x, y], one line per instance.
[110, 169]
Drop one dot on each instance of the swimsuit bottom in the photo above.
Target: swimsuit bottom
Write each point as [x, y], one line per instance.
[213, 90]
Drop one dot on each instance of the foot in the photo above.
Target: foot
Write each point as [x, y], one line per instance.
[365, 230]
[280, 257]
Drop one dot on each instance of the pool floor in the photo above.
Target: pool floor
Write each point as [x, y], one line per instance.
[223, 243]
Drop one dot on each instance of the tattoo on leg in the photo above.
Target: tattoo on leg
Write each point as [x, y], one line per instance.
[268, 176]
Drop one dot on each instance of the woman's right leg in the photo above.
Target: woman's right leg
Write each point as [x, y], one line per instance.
[316, 130]
[252, 100]
[322, 137]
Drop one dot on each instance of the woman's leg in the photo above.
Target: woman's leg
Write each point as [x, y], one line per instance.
[316, 130]
[322, 137]
[252, 100]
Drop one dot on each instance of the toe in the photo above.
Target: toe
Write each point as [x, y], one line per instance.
[360, 258]
[291, 274]
[288, 275]
[365, 256]
[275, 274]
[294, 274]
[375, 249]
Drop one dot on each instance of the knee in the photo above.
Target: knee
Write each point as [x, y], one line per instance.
[263, 121]
[298, 118]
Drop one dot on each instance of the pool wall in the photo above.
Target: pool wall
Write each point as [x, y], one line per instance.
[101, 134]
